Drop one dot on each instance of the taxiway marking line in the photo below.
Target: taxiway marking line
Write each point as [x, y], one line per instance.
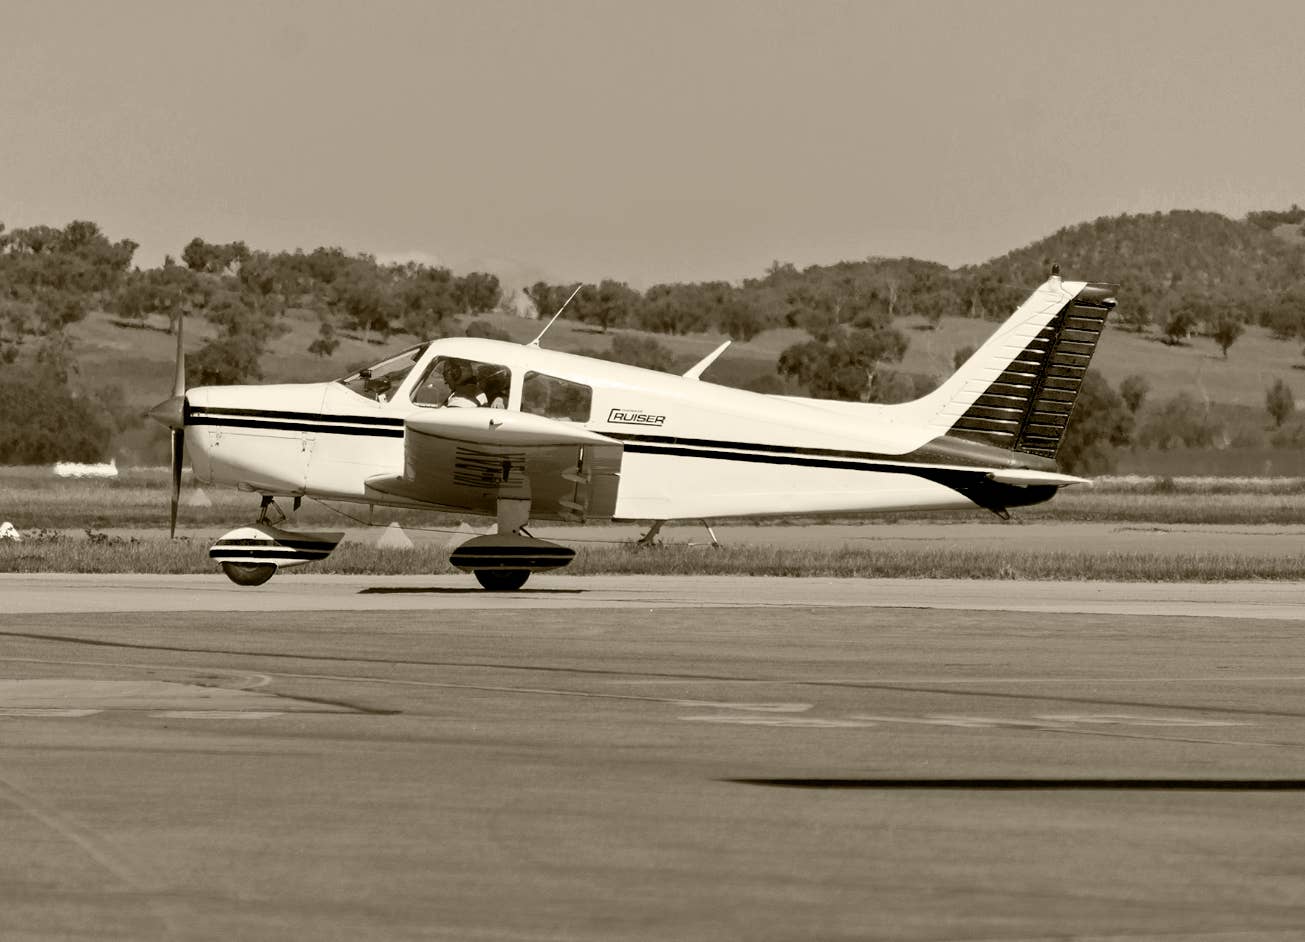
[256, 679]
[544, 691]
[92, 844]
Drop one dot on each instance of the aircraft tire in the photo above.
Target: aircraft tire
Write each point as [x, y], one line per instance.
[249, 574]
[502, 580]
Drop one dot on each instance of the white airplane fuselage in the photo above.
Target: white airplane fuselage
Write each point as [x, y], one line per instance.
[662, 446]
[691, 449]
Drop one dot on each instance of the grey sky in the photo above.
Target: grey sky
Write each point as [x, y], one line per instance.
[646, 141]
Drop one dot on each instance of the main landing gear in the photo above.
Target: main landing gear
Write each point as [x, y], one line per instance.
[503, 561]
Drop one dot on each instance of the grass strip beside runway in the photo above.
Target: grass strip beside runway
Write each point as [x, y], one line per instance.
[100, 554]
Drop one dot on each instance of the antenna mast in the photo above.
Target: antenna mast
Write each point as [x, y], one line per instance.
[535, 342]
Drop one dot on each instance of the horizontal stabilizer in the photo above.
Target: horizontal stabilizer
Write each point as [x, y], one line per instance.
[1029, 478]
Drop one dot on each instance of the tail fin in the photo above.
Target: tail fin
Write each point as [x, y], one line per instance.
[1017, 391]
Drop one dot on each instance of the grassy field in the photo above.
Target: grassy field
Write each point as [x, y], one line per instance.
[33, 498]
[97, 553]
[64, 524]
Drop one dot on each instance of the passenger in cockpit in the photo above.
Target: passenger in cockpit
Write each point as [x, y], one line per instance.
[496, 387]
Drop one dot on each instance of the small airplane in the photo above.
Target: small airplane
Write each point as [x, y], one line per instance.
[519, 433]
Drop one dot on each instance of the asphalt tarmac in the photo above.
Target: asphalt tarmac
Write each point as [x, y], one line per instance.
[638, 758]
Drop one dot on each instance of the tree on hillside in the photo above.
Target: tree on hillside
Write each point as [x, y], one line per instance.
[1179, 421]
[647, 352]
[1134, 316]
[325, 343]
[542, 296]
[226, 360]
[1179, 324]
[50, 278]
[825, 308]
[1101, 421]
[1227, 328]
[846, 366]
[1284, 314]
[172, 291]
[478, 293]
[1133, 390]
[1270, 219]
[607, 304]
[740, 318]
[44, 421]
[674, 309]
[212, 258]
[1279, 402]
[427, 298]
[364, 297]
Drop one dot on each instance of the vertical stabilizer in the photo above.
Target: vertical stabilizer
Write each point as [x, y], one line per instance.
[1018, 390]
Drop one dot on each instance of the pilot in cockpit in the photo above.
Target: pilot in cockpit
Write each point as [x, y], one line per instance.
[461, 379]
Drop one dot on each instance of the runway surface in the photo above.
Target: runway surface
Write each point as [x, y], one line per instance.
[642, 758]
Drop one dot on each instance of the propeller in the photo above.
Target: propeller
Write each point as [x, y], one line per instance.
[172, 414]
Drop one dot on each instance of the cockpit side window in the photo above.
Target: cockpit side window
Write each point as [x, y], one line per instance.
[556, 398]
[461, 383]
[380, 380]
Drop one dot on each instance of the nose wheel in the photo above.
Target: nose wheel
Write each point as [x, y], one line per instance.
[502, 580]
[249, 574]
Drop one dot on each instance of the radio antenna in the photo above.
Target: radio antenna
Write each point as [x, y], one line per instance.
[535, 342]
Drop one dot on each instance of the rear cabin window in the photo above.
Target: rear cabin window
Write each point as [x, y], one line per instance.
[556, 398]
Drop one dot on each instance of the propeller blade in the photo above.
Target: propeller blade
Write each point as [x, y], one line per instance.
[172, 413]
[179, 379]
[178, 456]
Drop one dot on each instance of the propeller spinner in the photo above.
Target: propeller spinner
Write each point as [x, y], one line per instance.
[172, 413]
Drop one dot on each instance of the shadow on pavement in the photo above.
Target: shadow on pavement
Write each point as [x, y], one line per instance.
[469, 590]
[1034, 784]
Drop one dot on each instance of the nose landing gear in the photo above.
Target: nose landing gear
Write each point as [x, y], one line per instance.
[251, 555]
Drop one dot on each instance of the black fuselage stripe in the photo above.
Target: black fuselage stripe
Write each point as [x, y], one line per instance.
[320, 417]
[311, 546]
[744, 446]
[264, 554]
[302, 426]
[794, 456]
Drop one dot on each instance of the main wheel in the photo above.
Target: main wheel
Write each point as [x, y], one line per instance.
[502, 580]
[249, 573]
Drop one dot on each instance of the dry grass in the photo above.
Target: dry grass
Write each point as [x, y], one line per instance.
[96, 553]
[33, 498]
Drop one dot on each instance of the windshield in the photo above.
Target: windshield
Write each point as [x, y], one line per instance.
[380, 380]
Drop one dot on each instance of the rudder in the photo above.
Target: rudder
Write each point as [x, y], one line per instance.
[1018, 390]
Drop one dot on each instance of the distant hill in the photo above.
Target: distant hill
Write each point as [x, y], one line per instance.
[1155, 258]
[1154, 255]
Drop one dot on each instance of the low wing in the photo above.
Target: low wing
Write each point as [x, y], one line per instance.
[466, 459]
